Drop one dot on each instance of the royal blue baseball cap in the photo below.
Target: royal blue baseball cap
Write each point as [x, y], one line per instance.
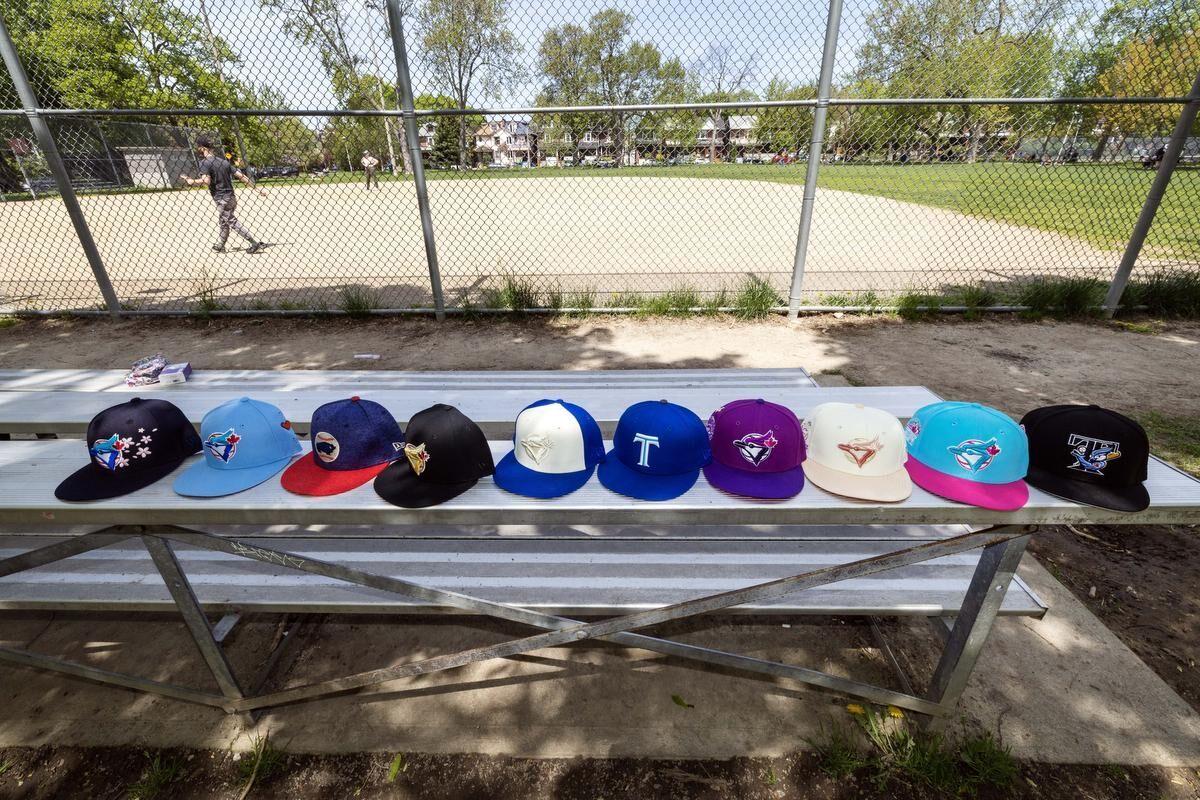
[658, 451]
[970, 453]
[556, 447]
[353, 440]
[245, 442]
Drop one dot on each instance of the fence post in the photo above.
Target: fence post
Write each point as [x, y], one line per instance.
[404, 85]
[41, 130]
[1187, 117]
[824, 86]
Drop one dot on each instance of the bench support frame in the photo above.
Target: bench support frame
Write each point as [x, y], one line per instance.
[1002, 548]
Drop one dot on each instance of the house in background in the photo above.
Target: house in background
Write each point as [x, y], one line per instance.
[506, 143]
[728, 138]
[425, 134]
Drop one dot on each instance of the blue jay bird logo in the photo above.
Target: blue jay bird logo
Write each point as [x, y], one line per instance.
[975, 455]
[1092, 455]
[109, 453]
[223, 446]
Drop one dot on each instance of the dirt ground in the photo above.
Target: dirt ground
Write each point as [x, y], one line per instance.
[1143, 583]
[47, 773]
[600, 233]
[1008, 363]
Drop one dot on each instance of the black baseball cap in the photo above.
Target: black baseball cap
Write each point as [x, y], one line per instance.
[445, 453]
[130, 446]
[1088, 454]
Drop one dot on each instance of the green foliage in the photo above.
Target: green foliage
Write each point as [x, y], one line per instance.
[156, 778]
[358, 301]
[986, 762]
[515, 294]
[917, 305]
[398, 766]
[1177, 439]
[755, 299]
[1064, 297]
[786, 129]
[1167, 294]
[205, 292]
[678, 301]
[263, 762]
[838, 755]
[9, 322]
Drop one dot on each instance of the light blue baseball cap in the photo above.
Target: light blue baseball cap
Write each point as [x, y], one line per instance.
[970, 453]
[245, 443]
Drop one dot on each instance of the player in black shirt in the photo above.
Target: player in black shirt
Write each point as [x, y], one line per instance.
[217, 174]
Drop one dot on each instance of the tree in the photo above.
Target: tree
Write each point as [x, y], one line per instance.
[600, 64]
[444, 152]
[470, 51]
[787, 129]
[720, 76]
[325, 24]
[962, 48]
[1148, 67]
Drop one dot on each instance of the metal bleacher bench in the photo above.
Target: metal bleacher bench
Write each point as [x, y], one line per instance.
[550, 565]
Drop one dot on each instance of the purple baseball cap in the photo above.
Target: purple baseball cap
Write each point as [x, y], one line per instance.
[757, 450]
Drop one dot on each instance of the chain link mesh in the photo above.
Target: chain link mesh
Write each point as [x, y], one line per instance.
[582, 152]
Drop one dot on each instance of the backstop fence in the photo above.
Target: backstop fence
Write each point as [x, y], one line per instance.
[432, 155]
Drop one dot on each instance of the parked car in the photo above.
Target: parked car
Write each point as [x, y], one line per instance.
[276, 171]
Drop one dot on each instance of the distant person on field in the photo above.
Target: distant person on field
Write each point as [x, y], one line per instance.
[217, 174]
[370, 164]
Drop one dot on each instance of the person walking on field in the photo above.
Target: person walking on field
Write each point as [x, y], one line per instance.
[217, 174]
[370, 164]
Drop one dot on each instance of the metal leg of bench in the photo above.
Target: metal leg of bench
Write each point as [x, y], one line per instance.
[58, 551]
[974, 621]
[193, 616]
[562, 630]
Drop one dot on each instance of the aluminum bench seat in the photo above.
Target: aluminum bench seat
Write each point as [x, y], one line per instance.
[558, 574]
[63, 402]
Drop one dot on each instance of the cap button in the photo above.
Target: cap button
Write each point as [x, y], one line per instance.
[662, 401]
[354, 399]
[760, 401]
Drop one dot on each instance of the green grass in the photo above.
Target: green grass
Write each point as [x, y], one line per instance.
[156, 778]
[1166, 294]
[358, 301]
[1175, 439]
[755, 299]
[9, 322]
[263, 762]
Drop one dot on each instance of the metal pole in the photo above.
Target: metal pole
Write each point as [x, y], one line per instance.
[824, 85]
[1187, 117]
[8, 51]
[404, 85]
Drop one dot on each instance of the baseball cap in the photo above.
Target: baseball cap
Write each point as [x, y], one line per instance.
[556, 447]
[757, 449]
[970, 453]
[1088, 454]
[658, 451]
[856, 451]
[245, 443]
[353, 440]
[130, 446]
[446, 454]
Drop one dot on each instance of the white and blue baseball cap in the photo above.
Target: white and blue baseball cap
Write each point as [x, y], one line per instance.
[556, 447]
[658, 451]
[970, 453]
[245, 442]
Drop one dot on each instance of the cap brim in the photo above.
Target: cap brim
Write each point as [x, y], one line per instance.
[762, 485]
[202, 480]
[512, 476]
[623, 480]
[1126, 498]
[994, 496]
[307, 477]
[890, 488]
[94, 482]
[400, 486]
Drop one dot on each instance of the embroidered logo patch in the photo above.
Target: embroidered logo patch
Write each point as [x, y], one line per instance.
[326, 447]
[710, 424]
[223, 446]
[974, 455]
[417, 456]
[119, 451]
[536, 447]
[756, 447]
[912, 430]
[646, 441]
[1091, 455]
[861, 450]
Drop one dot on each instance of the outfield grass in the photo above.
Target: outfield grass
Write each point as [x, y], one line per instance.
[1094, 202]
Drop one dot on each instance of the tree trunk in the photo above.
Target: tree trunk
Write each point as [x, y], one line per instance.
[1101, 143]
[977, 132]
[712, 144]
[462, 141]
[10, 177]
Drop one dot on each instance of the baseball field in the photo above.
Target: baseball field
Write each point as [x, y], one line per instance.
[883, 229]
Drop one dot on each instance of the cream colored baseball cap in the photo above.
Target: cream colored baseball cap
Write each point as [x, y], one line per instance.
[856, 451]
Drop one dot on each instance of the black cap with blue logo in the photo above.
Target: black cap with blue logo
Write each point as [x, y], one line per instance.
[130, 446]
[1088, 454]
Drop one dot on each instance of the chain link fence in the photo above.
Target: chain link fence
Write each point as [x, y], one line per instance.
[459, 154]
